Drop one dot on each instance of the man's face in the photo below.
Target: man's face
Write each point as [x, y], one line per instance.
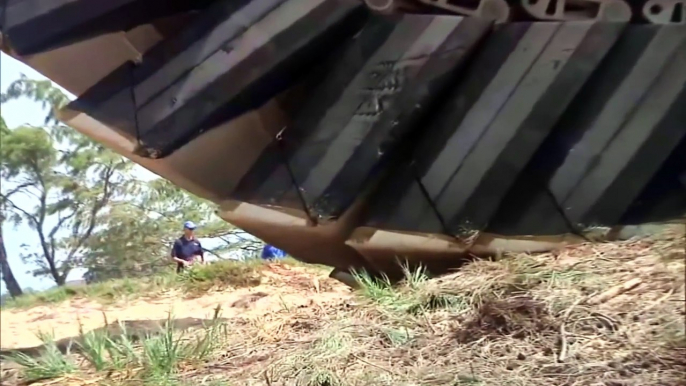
[188, 232]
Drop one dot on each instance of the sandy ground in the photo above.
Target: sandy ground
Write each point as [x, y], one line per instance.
[282, 287]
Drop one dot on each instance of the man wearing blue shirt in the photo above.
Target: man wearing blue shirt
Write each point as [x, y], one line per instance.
[187, 248]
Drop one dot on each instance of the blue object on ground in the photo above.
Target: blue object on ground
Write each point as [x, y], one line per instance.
[270, 252]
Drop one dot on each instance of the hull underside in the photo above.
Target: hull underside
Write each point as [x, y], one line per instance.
[351, 139]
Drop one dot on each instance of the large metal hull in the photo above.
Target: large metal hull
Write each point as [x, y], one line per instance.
[350, 139]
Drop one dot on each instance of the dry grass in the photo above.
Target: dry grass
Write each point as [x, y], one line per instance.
[523, 320]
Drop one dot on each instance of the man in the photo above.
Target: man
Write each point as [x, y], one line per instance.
[187, 248]
[270, 252]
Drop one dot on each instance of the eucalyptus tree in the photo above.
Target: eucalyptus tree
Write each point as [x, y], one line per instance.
[11, 282]
[56, 181]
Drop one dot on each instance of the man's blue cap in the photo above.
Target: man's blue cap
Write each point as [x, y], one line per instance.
[189, 225]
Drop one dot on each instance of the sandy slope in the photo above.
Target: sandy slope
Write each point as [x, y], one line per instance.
[283, 286]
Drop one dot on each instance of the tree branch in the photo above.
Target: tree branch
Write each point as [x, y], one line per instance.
[28, 215]
[97, 206]
[55, 229]
[48, 253]
[213, 253]
[18, 189]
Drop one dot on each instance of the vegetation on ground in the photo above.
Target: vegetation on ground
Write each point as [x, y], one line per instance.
[607, 314]
[193, 282]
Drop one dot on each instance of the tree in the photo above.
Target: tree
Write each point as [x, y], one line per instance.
[69, 179]
[7, 276]
[11, 283]
[40, 91]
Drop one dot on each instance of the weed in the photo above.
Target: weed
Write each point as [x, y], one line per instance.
[121, 350]
[414, 278]
[95, 347]
[410, 296]
[162, 353]
[379, 290]
[50, 363]
[209, 341]
[53, 295]
[227, 273]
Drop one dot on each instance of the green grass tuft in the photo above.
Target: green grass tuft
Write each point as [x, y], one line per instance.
[162, 353]
[221, 274]
[50, 363]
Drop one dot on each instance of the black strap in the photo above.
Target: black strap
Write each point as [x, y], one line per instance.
[301, 197]
[426, 195]
[132, 84]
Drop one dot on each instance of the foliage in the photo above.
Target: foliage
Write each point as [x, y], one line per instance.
[11, 283]
[72, 189]
[381, 291]
[156, 359]
[68, 178]
[136, 237]
[162, 353]
[50, 363]
[231, 273]
[40, 91]
[139, 231]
